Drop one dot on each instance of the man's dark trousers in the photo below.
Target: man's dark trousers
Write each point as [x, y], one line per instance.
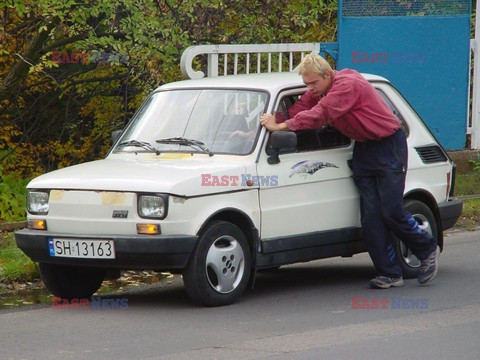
[379, 171]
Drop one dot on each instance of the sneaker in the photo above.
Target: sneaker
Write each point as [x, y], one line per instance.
[429, 267]
[384, 282]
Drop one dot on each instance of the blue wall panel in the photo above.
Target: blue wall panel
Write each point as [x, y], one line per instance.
[427, 62]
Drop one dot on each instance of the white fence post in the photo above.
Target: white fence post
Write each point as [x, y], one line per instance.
[474, 129]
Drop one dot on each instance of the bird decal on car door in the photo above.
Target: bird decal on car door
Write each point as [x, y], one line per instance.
[310, 167]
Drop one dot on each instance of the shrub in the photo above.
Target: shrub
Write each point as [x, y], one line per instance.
[12, 198]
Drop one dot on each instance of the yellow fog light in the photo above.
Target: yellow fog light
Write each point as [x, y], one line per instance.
[37, 224]
[148, 229]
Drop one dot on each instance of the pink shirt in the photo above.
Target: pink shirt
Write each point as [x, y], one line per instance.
[351, 105]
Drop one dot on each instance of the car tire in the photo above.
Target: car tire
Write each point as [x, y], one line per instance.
[71, 282]
[409, 263]
[219, 269]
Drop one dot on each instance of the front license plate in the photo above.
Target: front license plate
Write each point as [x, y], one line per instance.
[87, 249]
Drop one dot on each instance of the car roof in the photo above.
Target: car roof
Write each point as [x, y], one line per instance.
[271, 82]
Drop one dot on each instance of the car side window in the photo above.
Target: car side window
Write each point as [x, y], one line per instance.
[403, 123]
[314, 139]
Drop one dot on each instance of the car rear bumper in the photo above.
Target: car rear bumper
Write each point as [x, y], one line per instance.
[450, 211]
[160, 252]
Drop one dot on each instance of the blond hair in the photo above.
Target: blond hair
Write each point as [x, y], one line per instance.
[314, 63]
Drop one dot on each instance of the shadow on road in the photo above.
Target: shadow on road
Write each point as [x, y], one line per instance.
[292, 280]
[312, 279]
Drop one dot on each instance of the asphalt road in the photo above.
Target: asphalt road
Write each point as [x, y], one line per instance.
[300, 311]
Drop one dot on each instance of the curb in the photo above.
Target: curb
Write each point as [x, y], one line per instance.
[13, 226]
[467, 197]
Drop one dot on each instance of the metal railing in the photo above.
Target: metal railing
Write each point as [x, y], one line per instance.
[245, 58]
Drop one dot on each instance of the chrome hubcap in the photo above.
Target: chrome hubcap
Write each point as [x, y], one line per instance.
[225, 264]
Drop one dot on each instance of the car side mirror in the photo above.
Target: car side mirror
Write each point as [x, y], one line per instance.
[281, 140]
[115, 135]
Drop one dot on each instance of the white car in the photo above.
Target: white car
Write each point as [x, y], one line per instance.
[194, 185]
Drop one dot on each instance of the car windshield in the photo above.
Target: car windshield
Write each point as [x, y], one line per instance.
[201, 120]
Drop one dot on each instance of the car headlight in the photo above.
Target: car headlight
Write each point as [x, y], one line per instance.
[152, 206]
[37, 202]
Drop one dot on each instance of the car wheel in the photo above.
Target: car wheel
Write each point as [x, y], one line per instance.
[71, 282]
[409, 263]
[218, 271]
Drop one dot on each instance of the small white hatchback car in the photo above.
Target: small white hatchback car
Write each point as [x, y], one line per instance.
[194, 185]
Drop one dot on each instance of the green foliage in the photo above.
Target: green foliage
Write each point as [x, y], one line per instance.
[14, 264]
[475, 164]
[58, 114]
[12, 198]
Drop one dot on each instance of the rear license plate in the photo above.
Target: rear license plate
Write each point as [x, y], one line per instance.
[87, 249]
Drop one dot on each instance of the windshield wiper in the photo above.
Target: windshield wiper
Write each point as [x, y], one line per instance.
[187, 142]
[143, 144]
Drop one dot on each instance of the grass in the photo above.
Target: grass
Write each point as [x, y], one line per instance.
[14, 264]
[467, 184]
[470, 218]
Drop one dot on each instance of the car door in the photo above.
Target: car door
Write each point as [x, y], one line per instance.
[314, 192]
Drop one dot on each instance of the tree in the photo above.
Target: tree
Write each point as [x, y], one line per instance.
[55, 114]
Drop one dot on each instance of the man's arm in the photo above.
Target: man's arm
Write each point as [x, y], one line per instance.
[321, 111]
[276, 121]
[339, 101]
[270, 122]
[306, 102]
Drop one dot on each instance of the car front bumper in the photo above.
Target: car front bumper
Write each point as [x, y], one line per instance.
[136, 252]
[450, 211]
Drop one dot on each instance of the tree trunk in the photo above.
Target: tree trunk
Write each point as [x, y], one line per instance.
[19, 71]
